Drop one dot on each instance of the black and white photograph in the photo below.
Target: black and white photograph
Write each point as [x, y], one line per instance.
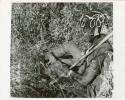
[61, 50]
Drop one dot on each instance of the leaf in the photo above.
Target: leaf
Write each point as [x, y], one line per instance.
[92, 23]
[98, 23]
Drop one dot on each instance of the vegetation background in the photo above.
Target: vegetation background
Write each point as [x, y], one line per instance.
[36, 27]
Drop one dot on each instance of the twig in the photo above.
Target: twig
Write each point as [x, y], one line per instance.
[96, 12]
[61, 90]
[83, 57]
[56, 80]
